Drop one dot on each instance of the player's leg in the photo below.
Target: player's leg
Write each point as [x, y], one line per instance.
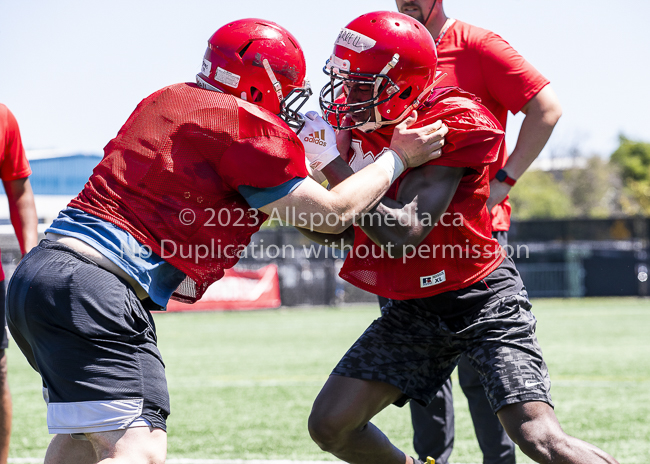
[144, 445]
[85, 331]
[5, 395]
[536, 430]
[433, 426]
[340, 420]
[136, 444]
[495, 444]
[505, 352]
[401, 355]
[65, 449]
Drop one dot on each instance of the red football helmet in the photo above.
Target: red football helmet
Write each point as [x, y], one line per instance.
[261, 62]
[393, 53]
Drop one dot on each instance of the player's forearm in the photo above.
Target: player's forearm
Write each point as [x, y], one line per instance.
[345, 238]
[337, 171]
[542, 114]
[358, 194]
[312, 207]
[395, 227]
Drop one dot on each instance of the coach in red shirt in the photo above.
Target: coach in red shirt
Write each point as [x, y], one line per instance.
[484, 64]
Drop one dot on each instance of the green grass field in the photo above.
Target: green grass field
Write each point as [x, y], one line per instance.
[242, 384]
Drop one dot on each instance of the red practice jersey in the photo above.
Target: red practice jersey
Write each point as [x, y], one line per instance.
[460, 250]
[482, 63]
[13, 162]
[171, 176]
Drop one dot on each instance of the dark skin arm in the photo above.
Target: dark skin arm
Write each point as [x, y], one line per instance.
[423, 197]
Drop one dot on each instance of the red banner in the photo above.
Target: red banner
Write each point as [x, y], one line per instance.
[238, 290]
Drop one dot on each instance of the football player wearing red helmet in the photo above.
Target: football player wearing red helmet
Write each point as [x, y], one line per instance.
[141, 232]
[427, 247]
[259, 62]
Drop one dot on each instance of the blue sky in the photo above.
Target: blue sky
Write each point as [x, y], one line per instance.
[72, 71]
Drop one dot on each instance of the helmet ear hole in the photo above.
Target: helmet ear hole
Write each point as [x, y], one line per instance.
[244, 48]
[256, 95]
[407, 93]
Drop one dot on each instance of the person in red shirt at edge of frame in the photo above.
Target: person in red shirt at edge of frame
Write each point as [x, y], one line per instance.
[14, 171]
[427, 247]
[143, 230]
[483, 64]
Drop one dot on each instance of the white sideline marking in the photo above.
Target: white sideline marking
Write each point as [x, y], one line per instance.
[195, 461]
[241, 461]
[198, 461]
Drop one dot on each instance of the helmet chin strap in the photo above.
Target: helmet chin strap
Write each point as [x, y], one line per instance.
[426, 20]
[378, 122]
[274, 81]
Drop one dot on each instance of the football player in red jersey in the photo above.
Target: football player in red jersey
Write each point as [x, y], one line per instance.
[427, 246]
[188, 179]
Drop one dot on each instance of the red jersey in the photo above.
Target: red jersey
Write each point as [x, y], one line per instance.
[13, 162]
[459, 250]
[171, 176]
[482, 63]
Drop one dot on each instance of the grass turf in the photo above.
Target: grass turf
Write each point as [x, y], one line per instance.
[242, 384]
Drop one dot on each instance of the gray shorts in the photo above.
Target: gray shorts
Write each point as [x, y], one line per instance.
[86, 333]
[415, 345]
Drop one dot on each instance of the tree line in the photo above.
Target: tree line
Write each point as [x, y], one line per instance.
[603, 188]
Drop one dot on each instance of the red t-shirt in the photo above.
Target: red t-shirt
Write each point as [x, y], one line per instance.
[482, 63]
[13, 162]
[460, 250]
[170, 178]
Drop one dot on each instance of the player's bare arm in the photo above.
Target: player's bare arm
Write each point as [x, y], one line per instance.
[344, 239]
[363, 190]
[423, 197]
[430, 138]
[337, 171]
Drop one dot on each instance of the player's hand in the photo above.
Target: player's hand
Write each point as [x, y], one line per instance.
[498, 192]
[319, 140]
[417, 146]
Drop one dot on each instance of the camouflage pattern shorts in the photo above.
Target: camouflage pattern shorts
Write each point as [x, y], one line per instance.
[416, 350]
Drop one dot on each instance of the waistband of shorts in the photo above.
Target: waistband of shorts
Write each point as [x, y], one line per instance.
[57, 246]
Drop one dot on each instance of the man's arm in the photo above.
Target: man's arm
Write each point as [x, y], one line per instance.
[333, 211]
[423, 197]
[542, 113]
[345, 238]
[22, 211]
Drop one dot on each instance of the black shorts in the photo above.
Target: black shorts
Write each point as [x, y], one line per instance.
[415, 345]
[85, 331]
[4, 338]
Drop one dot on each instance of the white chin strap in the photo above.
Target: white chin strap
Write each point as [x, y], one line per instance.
[378, 122]
[274, 81]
